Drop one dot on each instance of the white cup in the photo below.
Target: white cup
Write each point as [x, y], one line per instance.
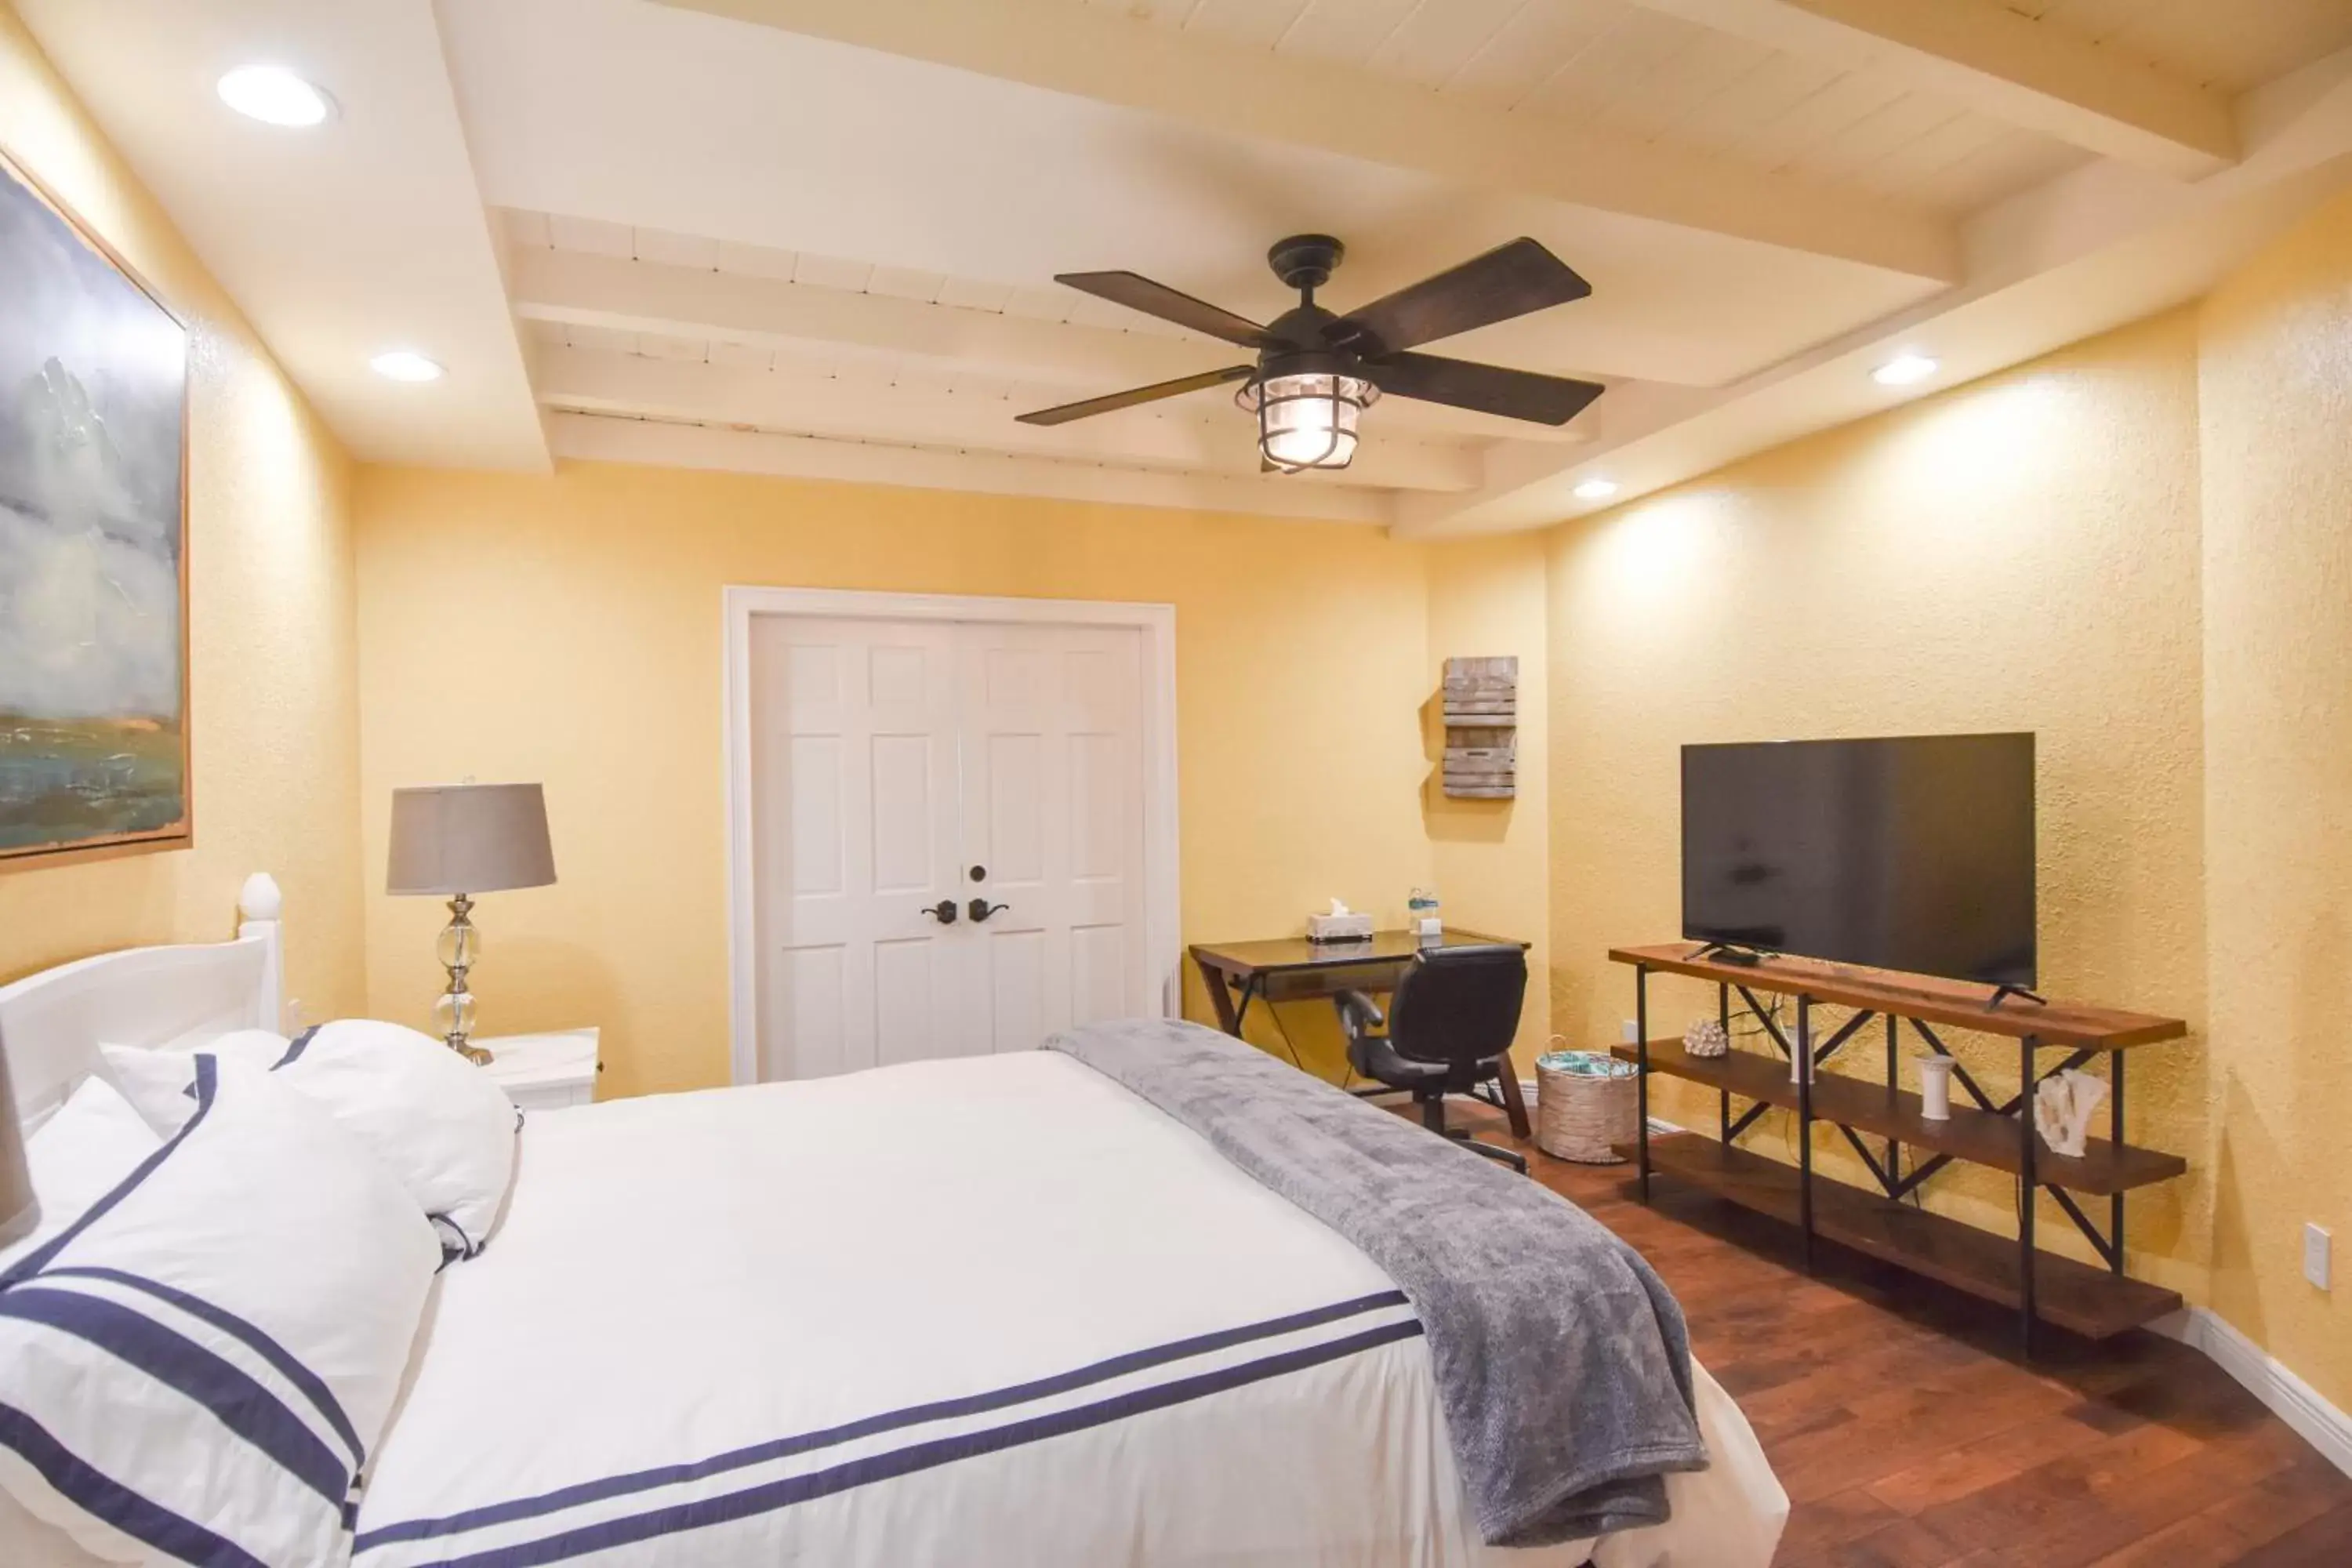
[1935, 1087]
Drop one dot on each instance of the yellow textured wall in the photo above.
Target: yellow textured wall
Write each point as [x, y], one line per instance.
[2276, 395]
[1490, 857]
[2019, 554]
[567, 629]
[272, 665]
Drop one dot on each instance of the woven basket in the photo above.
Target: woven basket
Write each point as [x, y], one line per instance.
[1584, 1105]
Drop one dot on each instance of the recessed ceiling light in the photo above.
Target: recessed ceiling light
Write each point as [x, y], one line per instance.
[1596, 490]
[405, 364]
[275, 96]
[1903, 370]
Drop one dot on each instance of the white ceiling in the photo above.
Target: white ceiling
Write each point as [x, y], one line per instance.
[1651, 74]
[818, 236]
[339, 243]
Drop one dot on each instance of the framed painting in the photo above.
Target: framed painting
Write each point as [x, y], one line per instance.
[93, 543]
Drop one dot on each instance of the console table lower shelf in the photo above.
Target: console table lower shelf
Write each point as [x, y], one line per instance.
[2089, 1302]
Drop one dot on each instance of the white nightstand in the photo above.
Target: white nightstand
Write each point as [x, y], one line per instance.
[543, 1072]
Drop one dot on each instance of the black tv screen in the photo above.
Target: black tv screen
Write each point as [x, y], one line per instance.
[1913, 853]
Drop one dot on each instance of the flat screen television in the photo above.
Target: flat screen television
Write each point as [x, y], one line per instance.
[1912, 853]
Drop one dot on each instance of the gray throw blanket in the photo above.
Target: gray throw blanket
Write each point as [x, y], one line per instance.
[1561, 1361]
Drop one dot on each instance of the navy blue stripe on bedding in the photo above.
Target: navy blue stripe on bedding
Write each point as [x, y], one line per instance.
[295, 1047]
[867, 1426]
[775, 1495]
[207, 1080]
[467, 1247]
[313, 1386]
[103, 1497]
[240, 1403]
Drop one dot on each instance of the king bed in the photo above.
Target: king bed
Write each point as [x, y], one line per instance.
[1000, 1311]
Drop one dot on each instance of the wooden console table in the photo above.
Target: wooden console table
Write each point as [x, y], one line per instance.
[2091, 1301]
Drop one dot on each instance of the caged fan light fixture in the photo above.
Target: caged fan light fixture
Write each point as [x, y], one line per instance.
[1306, 417]
[1316, 372]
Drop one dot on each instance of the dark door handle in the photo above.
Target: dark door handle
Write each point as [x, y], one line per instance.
[944, 911]
[981, 909]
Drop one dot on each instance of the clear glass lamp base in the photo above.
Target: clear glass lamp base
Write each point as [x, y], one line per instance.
[459, 949]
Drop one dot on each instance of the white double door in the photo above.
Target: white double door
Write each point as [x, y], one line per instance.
[902, 770]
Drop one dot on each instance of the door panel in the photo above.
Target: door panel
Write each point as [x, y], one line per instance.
[1100, 813]
[1099, 983]
[1017, 1009]
[1015, 786]
[854, 827]
[1055, 815]
[889, 759]
[804, 999]
[906, 999]
[906, 825]
[814, 849]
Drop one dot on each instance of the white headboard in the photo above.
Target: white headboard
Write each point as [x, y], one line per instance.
[51, 1023]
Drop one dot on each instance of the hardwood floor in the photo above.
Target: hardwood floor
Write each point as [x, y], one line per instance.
[1909, 1436]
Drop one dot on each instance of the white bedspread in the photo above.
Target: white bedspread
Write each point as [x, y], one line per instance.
[994, 1311]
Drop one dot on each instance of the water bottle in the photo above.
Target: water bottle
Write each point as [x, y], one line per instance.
[1421, 916]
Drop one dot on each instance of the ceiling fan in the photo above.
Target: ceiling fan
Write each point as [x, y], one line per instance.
[1316, 372]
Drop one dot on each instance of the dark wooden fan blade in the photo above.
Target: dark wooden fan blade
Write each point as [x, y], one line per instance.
[1138, 292]
[1134, 394]
[1487, 388]
[1509, 281]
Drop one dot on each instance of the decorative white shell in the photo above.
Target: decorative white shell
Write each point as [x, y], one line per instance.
[2062, 1110]
[1706, 1038]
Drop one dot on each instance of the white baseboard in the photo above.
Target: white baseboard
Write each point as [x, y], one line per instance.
[2287, 1396]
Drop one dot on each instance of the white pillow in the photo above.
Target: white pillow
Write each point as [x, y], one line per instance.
[437, 1122]
[161, 1083]
[77, 1156]
[198, 1367]
[440, 1124]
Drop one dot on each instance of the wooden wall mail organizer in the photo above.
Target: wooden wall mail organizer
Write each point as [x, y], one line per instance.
[2093, 1301]
[1481, 700]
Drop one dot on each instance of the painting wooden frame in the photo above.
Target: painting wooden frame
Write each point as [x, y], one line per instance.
[170, 823]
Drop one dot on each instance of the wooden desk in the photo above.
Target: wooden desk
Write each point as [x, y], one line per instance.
[1293, 969]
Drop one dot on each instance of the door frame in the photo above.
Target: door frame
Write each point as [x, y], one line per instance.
[1162, 903]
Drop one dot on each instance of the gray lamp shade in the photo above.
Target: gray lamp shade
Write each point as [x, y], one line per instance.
[19, 1212]
[470, 839]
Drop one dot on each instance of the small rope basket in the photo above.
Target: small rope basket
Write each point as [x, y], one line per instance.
[1584, 1104]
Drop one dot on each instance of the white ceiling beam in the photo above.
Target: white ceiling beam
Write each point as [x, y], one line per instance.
[599, 438]
[570, 288]
[1091, 52]
[2101, 247]
[582, 289]
[2001, 64]
[910, 414]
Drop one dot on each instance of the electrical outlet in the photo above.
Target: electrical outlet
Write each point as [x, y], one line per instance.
[2314, 1254]
[1632, 1031]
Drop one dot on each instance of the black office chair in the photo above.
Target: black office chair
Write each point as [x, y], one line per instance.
[1451, 1019]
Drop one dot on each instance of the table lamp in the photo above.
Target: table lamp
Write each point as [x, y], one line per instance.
[18, 1213]
[453, 841]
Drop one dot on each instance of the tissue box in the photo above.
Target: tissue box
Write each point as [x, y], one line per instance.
[1339, 927]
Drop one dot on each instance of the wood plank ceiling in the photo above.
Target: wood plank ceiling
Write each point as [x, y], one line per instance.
[1800, 95]
[818, 237]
